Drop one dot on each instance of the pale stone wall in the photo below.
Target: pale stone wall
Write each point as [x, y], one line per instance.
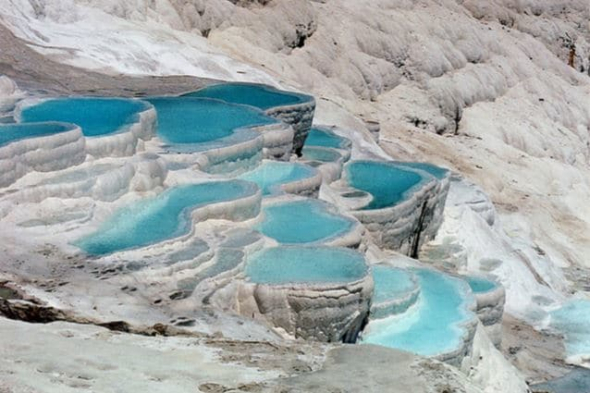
[323, 312]
[299, 116]
[42, 154]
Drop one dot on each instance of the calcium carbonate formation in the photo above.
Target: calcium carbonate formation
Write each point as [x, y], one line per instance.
[201, 200]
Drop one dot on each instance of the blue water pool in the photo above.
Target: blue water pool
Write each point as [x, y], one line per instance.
[390, 282]
[303, 221]
[480, 285]
[576, 381]
[164, 217]
[396, 290]
[96, 116]
[259, 96]
[572, 320]
[196, 121]
[320, 154]
[434, 170]
[433, 326]
[325, 138]
[272, 174]
[300, 265]
[15, 132]
[387, 182]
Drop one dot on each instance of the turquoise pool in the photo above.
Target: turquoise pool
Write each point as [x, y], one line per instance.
[193, 121]
[260, 96]
[322, 137]
[272, 174]
[396, 290]
[15, 132]
[572, 321]
[320, 154]
[433, 326]
[95, 116]
[304, 221]
[480, 285]
[305, 265]
[436, 171]
[576, 381]
[388, 183]
[390, 282]
[157, 219]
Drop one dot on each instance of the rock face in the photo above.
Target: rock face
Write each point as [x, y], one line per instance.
[326, 312]
[104, 359]
[9, 94]
[347, 369]
[433, 214]
[374, 128]
[299, 116]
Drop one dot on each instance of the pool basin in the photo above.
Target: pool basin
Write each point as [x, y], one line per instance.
[164, 217]
[95, 116]
[303, 221]
[195, 122]
[323, 137]
[305, 266]
[441, 325]
[278, 177]
[260, 96]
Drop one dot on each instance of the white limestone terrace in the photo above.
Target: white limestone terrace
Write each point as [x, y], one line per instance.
[317, 293]
[169, 280]
[276, 178]
[164, 228]
[490, 297]
[293, 220]
[105, 181]
[327, 152]
[217, 136]
[41, 147]
[440, 323]
[413, 66]
[294, 109]
[171, 215]
[396, 290]
[400, 205]
[112, 126]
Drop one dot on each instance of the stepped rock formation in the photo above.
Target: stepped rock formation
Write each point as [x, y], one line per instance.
[482, 88]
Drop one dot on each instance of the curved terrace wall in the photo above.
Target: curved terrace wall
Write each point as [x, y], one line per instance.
[101, 182]
[328, 161]
[490, 297]
[53, 146]
[400, 224]
[441, 325]
[396, 290]
[217, 136]
[171, 215]
[303, 221]
[118, 137]
[433, 215]
[321, 310]
[292, 108]
[275, 178]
